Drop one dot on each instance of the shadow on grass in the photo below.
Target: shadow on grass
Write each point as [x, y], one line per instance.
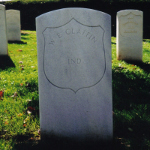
[142, 65]
[17, 42]
[132, 91]
[6, 62]
[122, 135]
[25, 36]
[67, 144]
[134, 134]
[113, 43]
[146, 40]
[128, 92]
[131, 103]
[147, 51]
[24, 33]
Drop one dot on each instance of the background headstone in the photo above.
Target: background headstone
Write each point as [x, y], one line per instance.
[3, 36]
[129, 35]
[13, 25]
[74, 66]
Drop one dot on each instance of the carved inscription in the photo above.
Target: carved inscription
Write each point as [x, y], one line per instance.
[74, 61]
[72, 31]
[84, 33]
[73, 53]
[129, 24]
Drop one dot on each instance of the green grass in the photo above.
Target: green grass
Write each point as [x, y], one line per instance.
[19, 108]
[19, 105]
[131, 95]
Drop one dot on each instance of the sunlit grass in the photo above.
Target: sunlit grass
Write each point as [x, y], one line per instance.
[19, 105]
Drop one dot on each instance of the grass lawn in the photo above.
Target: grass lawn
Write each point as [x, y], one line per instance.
[19, 108]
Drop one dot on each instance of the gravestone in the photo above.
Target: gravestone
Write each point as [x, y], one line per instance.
[74, 66]
[13, 25]
[3, 36]
[129, 35]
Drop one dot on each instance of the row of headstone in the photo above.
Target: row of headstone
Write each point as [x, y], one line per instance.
[74, 67]
[9, 28]
[129, 32]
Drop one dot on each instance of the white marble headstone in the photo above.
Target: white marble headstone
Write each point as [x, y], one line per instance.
[3, 35]
[129, 35]
[13, 25]
[74, 66]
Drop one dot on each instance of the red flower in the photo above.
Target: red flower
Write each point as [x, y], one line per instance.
[1, 94]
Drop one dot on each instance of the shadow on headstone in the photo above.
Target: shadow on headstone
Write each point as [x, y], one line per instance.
[17, 42]
[6, 62]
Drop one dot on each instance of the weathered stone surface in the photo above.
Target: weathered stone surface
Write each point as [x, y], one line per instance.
[129, 35]
[74, 62]
[3, 36]
[13, 25]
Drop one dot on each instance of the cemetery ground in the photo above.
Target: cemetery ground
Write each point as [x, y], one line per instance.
[19, 101]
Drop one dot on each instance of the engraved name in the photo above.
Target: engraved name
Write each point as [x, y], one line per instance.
[130, 31]
[72, 31]
[85, 33]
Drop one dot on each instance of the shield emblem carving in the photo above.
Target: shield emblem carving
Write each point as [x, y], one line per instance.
[74, 55]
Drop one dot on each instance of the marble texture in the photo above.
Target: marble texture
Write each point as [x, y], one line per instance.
[129, 35]
[3, 35]
[74, 68]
